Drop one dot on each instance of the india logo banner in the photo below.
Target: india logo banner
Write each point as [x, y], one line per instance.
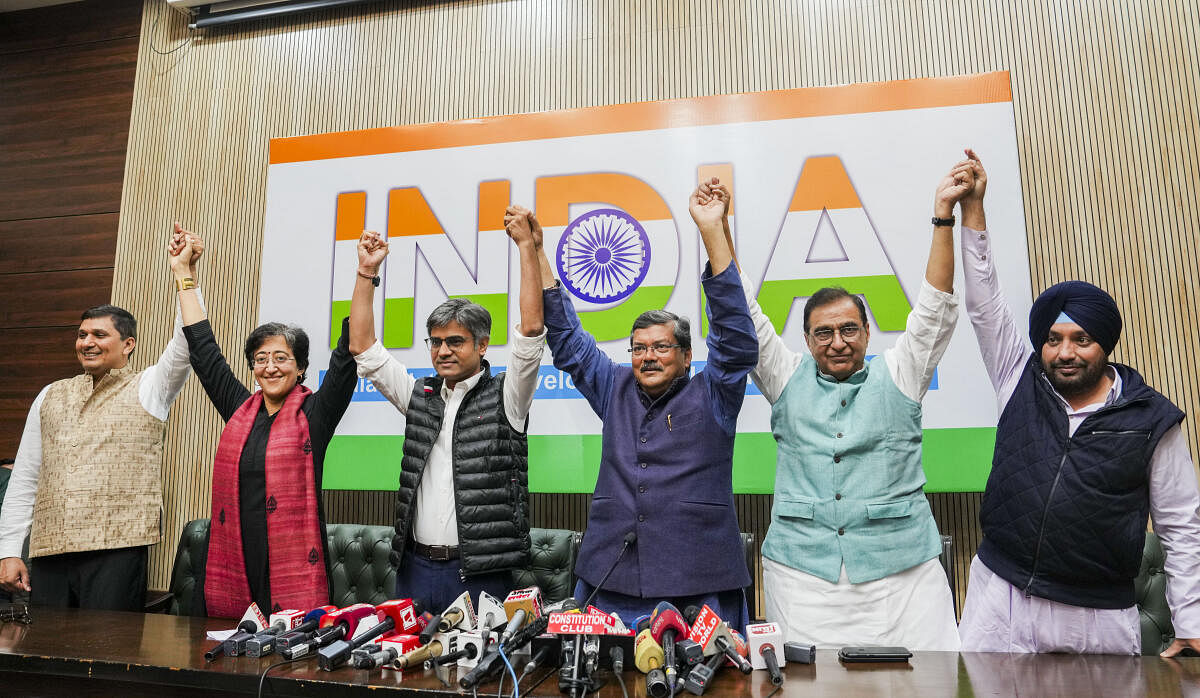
[832, 186]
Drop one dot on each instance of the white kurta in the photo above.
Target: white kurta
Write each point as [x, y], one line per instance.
[998, 617]
[913, 608]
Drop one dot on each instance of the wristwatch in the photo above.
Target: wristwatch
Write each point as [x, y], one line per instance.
[939, 222]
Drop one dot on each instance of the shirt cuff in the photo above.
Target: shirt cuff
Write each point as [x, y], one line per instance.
[526, 347]
[372, 359]
[727, 279]
[977, 243]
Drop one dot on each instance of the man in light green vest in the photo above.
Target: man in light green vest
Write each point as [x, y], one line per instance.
[851, 556]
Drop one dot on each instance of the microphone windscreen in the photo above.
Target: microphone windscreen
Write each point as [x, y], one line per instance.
[665, 618]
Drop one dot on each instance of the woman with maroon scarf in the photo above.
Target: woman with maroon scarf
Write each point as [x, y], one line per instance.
[267, 539]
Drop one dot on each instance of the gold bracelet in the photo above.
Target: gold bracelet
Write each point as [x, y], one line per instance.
[185, 283]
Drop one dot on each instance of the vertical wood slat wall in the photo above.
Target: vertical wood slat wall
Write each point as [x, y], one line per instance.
[1104, 93]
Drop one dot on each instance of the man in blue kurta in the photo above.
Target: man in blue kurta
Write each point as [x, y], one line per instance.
[666, 469]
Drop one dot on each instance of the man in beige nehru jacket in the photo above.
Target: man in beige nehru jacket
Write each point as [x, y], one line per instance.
[87, 476]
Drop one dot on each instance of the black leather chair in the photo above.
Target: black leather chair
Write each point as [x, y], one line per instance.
[1150, 594]
[360, 569]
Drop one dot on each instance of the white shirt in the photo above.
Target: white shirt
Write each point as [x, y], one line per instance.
[158, 386]
[1174, 497]
[436, 521]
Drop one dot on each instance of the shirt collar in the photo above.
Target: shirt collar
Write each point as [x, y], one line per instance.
[464, 386]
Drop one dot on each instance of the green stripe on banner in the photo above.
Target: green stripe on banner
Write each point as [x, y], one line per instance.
[956, 460]
[398, 323]
[340, 311]
[497, 306]
[615, 323]
[883, 295]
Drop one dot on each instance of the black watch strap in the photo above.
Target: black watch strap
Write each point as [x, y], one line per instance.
[938, 222]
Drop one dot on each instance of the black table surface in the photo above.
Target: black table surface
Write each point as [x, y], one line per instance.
[84, 653]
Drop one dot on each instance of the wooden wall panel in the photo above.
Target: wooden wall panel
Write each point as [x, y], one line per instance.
[66, 93]
[1104, 95]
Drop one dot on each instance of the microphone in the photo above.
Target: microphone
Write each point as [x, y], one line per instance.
[307, 627]
[618, 659]
[430, 651]
[540, 656]
[667, 624]
[714, 635]
[699, 677]
[571, 678]
[630, 539]
[766, 647]
[244, 628]
[491, 614]
[460, 613]
[400, 614]
[235, 644]
[467, 651]
[528, 600]
[335, 625]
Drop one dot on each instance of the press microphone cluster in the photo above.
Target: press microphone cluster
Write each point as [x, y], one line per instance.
[396, 614]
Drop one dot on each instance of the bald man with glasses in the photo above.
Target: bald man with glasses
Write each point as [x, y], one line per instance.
[851, 555]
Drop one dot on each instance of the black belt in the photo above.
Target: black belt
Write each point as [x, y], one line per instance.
[439, 553]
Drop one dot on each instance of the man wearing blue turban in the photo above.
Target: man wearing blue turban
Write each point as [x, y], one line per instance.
[1085, 451]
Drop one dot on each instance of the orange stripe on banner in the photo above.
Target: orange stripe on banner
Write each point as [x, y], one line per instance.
[723, 173]
[645, 116]
[351, 215]
[556, 194]
[409, 214]
[824, 183]
[494, 197]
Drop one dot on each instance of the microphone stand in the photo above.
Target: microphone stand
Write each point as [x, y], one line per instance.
[575, 681]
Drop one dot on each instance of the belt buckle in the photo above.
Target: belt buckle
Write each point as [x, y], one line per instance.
[439, 553]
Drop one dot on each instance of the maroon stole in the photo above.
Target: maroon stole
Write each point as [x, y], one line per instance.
[295, 550]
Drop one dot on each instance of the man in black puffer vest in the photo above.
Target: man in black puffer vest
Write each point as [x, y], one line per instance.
[462, 509]
[1085, 451]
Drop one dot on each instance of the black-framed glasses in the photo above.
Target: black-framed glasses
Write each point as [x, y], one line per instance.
[658, 349]
[848, 332]
[455, 342]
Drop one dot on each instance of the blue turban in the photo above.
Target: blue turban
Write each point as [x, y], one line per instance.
[1088, 306]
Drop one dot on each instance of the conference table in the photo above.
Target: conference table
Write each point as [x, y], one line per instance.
[68, 652]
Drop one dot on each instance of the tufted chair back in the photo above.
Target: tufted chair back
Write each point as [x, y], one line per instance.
[552, 563]
[190, 557]
[359, 566]
[360, 570]
[1150, 594]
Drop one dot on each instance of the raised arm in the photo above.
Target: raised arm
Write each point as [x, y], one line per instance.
[709, 206]
[161, 383]
[732, 342]
[526, 232]
[183, 254]
[390, 377]
[930, 325]
[224, 390]
[525, 349]
[372, 250]
[1002, 344]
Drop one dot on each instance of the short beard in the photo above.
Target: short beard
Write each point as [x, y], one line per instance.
[1081, 384]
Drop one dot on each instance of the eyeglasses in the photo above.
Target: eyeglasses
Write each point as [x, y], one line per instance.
[278, 358]
[455, 343]
[658, 349]
[848, 333]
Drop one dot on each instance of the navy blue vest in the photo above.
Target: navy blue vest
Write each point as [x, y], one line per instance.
[666, 472]
[1065, 518]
